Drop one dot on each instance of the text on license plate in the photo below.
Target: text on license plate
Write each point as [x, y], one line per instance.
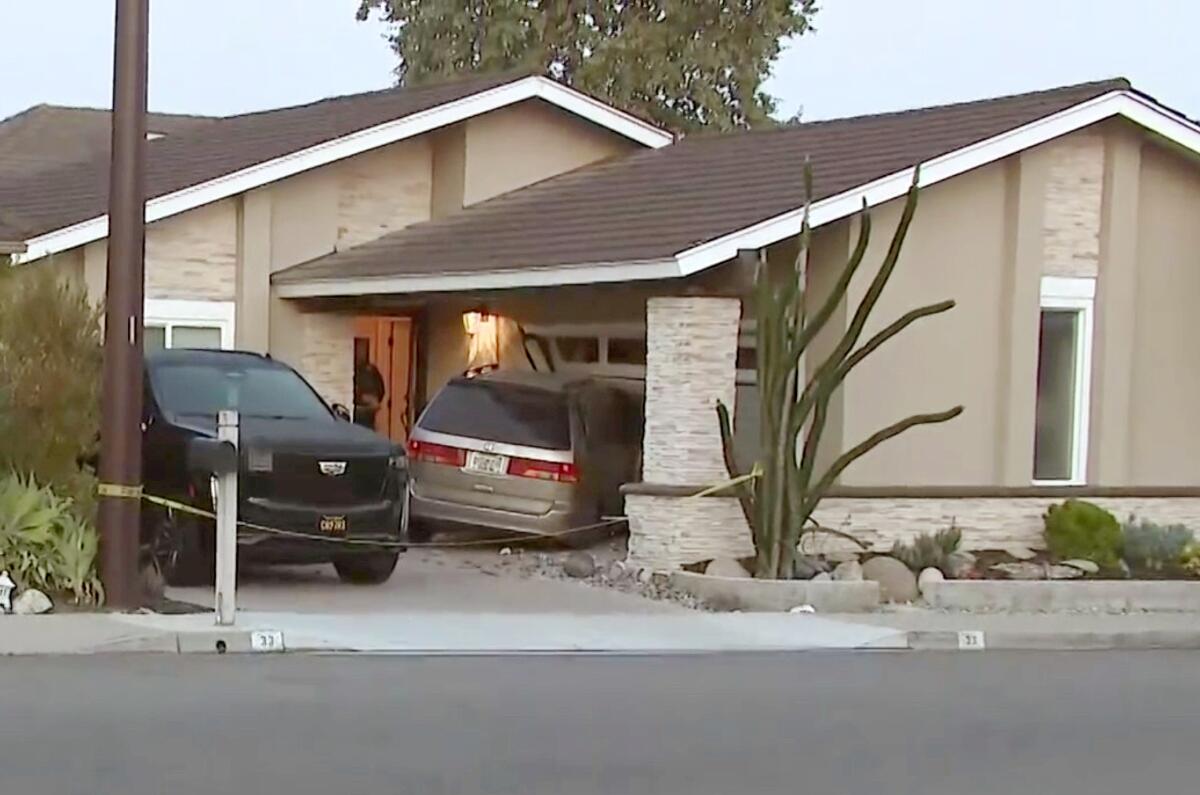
[332, 525]
[487, 463]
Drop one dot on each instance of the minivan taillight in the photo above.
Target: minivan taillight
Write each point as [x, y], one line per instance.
[430, 453]
[556, 471]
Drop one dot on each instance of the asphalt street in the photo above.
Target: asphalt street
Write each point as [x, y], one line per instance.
[963, 723]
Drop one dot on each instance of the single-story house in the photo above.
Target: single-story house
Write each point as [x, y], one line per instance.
[513, 221]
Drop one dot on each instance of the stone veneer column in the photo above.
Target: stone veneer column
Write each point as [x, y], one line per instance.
[690, 363]
[691, 355]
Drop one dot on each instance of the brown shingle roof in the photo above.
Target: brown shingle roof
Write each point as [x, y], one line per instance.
[49, 136]
[52, 199]
[655, 204]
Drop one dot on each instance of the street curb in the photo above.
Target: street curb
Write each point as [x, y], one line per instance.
[920, 640]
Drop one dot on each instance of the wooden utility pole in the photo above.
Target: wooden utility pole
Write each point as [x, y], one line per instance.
[121, 402]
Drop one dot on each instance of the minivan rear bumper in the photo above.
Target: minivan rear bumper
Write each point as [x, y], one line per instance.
[559, 518]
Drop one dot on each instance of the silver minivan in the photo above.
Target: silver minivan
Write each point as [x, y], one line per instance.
[528, 452]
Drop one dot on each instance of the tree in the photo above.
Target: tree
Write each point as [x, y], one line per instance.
[785, 487]
[686, 64]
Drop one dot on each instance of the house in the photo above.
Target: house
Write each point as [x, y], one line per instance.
[513, 221]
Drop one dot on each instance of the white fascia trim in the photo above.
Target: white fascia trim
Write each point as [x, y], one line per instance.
[482, 280]
[1126, 104]
[356, 143]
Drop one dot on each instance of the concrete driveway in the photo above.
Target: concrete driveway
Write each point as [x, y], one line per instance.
[463, 580]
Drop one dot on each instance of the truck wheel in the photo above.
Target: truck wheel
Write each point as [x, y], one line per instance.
[369, 569]
[186, 552]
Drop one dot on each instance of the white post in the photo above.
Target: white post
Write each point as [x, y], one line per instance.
[226, 510]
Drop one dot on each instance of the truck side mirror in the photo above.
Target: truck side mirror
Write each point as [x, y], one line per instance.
[211, 457]
[342, 412]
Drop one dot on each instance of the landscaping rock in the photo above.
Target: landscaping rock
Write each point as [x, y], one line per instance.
[805, 567]
[959, 564]
[726, 567]
[1063, 572]
[823, 577]
[929, 575]
[1022, 571]
[896, 581]
[617, 571]
[1020, 553]
[579, 565]
[32, 602]
[1086, 566]
[850, 571]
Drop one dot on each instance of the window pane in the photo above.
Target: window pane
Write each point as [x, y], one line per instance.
[154, 338]
[578, 349]
[195, 337]
[1054, 438]
[626, 351]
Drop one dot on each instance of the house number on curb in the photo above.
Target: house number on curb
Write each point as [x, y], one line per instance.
[971, 640]
[266, 640]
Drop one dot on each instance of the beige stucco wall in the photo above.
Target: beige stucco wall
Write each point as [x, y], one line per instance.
[955, 249]
[449, 170]
[517, 146]
[1165, 371]
[1105, 202]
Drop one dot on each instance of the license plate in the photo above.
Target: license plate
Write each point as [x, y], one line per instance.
[487, 463]
[332, 525]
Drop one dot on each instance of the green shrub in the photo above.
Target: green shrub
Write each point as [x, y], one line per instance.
[928, 550]
[50, 372]
[1078, 529]
[1189, 559]
[45, 543]
[1153, 546]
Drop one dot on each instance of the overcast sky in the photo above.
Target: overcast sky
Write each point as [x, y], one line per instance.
[231, 56]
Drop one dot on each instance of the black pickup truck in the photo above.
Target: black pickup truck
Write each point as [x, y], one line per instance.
[304, 469]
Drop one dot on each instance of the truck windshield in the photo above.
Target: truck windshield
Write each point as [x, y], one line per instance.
[252, 390]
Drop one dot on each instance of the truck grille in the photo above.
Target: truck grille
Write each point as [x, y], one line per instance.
[298, 479]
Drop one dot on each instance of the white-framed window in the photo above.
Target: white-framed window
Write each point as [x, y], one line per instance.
[618, 350]
[1064, 377]
[188, 324]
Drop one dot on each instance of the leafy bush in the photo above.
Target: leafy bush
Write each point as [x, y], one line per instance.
[44, 543]
[50, 372]
[1153, 546]
[1078, 529]
[928, 550]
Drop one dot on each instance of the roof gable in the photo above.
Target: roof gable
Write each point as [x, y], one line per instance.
[66, 207]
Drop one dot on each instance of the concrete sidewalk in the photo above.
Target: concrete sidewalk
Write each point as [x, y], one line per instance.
[441, 633]
[612, 633]
[938, 630]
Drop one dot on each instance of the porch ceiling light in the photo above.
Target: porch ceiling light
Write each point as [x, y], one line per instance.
[483, 333]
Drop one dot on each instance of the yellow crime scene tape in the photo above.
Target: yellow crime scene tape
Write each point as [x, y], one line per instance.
[136, 493]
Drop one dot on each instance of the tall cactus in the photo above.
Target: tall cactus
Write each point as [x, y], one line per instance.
[779, 496]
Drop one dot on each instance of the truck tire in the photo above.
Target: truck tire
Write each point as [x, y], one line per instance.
[185, 548]
[370, 568]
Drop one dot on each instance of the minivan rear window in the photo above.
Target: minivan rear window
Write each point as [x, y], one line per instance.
[500, 412]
